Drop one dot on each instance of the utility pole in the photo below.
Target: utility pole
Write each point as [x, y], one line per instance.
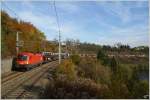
[44, 45]
[17, 43]
[66, 47]
[59, 48]
[17, 40]
[59, 32]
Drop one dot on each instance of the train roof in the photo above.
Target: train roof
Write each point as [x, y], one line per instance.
[25, 53]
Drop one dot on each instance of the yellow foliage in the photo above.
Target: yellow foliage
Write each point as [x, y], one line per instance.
[67, 68]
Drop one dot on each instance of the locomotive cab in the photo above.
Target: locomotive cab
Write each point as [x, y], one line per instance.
[26, 60]
[23, 59]
[22, 62]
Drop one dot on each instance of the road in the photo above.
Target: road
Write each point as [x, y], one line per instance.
[28, 84]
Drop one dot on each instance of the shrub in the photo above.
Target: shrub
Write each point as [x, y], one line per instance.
[102, 74]
[119, 81]
[140, 89]
[114, 65]
[100, 54]
[75, 89]
[118, 90]
[90, 68]
[75, 59]
[125, 73]
[66, 68]
[86, 68]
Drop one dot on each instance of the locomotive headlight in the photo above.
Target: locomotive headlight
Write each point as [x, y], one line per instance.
[27, 60]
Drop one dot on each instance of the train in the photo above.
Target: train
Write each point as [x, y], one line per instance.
[50, 56]
[27, 60]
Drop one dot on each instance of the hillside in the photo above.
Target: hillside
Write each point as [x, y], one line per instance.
[33, 39]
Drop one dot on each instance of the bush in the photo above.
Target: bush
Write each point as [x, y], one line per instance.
[91, 79]
[67, 68]
[76, 89]
[118, 90]
[75, 59]
[119, 82]
[90, 68]
[86, 68]
[114, 65]
[103, 74]
[125, 73]
[140, 89]
[101, 56]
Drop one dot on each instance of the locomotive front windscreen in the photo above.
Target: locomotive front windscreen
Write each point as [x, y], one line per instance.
[22, 57]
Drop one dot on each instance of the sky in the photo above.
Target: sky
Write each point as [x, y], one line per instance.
[100, 22]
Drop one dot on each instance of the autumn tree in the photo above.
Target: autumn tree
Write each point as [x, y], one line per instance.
[31, 36]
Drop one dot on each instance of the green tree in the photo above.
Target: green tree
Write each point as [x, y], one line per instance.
[100, 55]
[114, 65]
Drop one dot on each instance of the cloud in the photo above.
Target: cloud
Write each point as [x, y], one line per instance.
[134, 36]
[42, 21]
[106, 22]
[68, 7]
[127, 27]
[123, 10]
[27, 3]
[48, 24]
[117, 9]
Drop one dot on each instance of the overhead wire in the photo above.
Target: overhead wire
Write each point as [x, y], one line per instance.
[11, 10]
[57, 20]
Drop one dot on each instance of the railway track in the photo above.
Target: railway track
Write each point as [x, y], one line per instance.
[13, 86]
[10, 76]
[7, 74]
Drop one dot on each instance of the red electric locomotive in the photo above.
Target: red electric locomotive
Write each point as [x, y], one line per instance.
[28, 60]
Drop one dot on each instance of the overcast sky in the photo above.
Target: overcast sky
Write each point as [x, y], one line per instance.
[101, 22]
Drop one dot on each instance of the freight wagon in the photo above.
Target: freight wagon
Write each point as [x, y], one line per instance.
[50, 56]
[47, 56]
